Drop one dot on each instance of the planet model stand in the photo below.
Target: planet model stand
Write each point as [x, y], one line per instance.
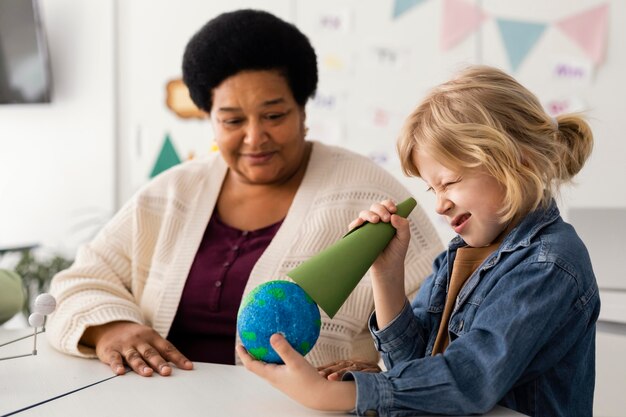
[44, 305]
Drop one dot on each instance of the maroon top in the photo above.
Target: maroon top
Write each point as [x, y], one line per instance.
[206, 320]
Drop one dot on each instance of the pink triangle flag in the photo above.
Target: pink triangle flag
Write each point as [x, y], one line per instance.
[589, 30]
[459, 20]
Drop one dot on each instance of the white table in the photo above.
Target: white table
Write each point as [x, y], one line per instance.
[30, 380]
[53, 384]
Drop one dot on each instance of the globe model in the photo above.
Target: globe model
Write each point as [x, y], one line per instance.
[278, 307]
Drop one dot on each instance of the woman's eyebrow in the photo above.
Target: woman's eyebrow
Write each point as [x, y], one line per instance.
[266, 103]
[273, 101]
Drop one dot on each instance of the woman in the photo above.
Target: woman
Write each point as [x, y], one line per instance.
[163, 280]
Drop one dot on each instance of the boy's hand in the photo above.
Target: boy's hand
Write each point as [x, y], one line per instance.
[391, 260]
[300, 380]
[387, 272]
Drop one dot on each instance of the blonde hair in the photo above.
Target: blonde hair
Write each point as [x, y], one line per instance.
[484, 118]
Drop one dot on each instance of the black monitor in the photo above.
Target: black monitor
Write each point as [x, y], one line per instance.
[25, 75]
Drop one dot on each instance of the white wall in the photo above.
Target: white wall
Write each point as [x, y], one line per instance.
[364, 84]
[64, 153]
[602, 182]
[56, 160]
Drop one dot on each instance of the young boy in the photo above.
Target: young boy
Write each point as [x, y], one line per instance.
[508, 315]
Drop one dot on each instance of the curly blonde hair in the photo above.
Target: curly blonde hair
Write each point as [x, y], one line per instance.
[484, 118]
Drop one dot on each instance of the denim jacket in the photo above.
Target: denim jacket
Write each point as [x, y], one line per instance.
[522, 333]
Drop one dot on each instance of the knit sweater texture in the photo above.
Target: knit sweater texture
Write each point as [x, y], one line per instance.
[135, 268]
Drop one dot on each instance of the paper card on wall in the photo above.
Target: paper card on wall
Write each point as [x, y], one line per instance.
[379, 117]
[560, 105]
[572, 70]
[388, 58]
[327, 101]
[324, 130]
[339, 21]
[334, 62]
[179, 101]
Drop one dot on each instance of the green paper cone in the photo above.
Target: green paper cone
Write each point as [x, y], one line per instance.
[330, 276]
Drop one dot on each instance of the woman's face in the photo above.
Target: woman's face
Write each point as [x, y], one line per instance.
[259, 127]
[469, 200]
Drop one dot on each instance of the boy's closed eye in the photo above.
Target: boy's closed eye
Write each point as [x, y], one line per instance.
[444, 186]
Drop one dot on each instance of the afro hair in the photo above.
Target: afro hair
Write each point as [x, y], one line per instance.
[248, 40]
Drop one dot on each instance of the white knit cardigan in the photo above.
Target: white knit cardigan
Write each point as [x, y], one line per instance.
[135, 268]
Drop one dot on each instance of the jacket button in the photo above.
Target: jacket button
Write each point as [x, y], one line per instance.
[371, 413]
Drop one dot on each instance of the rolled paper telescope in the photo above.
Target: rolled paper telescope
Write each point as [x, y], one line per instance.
[330, 276]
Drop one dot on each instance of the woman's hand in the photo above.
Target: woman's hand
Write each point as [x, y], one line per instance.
[335, 371]
[139, 346]
[300, 380]
[387, 272]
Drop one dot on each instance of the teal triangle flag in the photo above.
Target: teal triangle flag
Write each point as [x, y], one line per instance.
[519, 38]
[402, 6]
[167, 157]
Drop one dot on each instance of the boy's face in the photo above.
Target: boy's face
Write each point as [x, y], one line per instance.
[468, 199]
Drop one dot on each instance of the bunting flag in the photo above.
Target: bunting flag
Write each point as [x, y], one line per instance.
[400, 7]
[459, 20]
[589, 30]
[168, 157]
[519, 38]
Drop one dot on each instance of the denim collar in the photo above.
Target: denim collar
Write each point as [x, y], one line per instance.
[520, 236]
[528, 228]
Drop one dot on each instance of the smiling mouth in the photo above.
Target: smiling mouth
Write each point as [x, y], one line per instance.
[459, 220]
[258, 155]
[260, 158]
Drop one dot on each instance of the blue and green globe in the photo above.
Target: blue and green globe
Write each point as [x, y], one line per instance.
[278, 307]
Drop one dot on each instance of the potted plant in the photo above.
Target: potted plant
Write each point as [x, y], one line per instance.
[37, 271]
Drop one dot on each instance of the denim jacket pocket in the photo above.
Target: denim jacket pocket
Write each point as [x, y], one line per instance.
[461, 321]
[437, 299]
